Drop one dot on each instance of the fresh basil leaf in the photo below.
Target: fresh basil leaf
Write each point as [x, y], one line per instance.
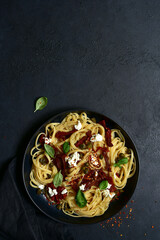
[49, 150]
[41, 103]
[120, 162]
[66, 147]
[80, 199]
[58, 179]
[103, 185]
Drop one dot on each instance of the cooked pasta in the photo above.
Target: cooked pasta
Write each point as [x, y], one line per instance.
[81, 165]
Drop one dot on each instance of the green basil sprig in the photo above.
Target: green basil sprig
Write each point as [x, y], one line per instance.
[120, 162]
[80, 199]
[49, 150]
[41, 103]
[66, 147]
[58, 179]
[103, 185]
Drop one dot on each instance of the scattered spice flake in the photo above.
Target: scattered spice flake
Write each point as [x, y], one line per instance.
[145, 234]
[121, 235]
[152, 226]
[132, 201]
[118, 220]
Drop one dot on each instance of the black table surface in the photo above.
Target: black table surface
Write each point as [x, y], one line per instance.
[100, 55]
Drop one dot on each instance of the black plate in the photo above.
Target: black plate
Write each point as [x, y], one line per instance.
[52, 211]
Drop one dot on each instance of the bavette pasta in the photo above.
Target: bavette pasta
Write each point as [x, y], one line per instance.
[81, 165]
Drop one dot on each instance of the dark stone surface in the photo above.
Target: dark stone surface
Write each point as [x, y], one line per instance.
[99, 55]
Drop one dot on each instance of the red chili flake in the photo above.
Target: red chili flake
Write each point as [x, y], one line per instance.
[132, 201]
[123, 212]
[126, 206]
[112, 224]
[152, 226]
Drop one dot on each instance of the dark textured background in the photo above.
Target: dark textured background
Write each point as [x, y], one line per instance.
[99, 55]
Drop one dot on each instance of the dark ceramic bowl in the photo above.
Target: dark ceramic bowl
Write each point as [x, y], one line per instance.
[52, 211]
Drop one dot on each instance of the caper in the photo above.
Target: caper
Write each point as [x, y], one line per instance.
[39, 191]
[81, 155]
[93, 120]
[58, 207]
[86, 170]
[82, 146]
[87, 164]
[43, 161]
[48, 175]
[83, 168]
[121, 155]
[51, 165]
[89, 145]
[101, 156]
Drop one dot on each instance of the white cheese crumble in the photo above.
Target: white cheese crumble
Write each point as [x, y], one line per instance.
[64, 191]
[107, 193]
[109, 186]
[96, 138]
[41, 187]
[47, 140]
[94, 160]
[82, 187]
[112, 194]
[78, 126]
[96, 174]
[72, 161]
[52, 192]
